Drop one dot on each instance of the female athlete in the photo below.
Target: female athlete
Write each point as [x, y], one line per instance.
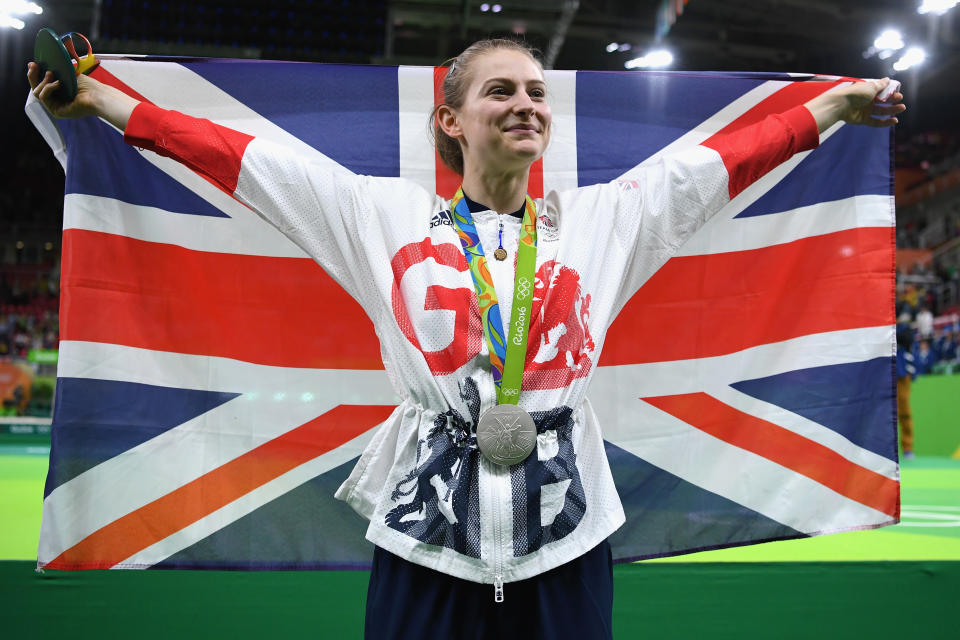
[488, 491]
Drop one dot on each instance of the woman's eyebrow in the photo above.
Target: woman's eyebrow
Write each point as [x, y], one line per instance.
[511, 82]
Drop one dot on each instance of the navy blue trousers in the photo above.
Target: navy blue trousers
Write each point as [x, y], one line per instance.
[409, 602]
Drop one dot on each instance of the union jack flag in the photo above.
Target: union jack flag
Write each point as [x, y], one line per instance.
[215, 386]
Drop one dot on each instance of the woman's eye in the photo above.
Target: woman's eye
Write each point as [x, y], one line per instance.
[498, 91]
[538, 93]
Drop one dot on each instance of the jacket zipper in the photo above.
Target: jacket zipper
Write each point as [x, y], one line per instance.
[499, 473]
[497, 535]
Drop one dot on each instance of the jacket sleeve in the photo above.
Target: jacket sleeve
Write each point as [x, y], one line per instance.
[661, 205]
[317, 203]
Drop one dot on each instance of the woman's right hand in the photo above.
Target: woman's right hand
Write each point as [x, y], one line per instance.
[93, 98]
[44, 86]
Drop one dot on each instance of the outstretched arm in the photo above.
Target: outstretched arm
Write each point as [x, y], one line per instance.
[664, 203]
[312, 200]
[751, 152]
[209, 149]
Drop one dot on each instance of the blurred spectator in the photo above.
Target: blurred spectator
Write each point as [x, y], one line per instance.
[16, 383]
[924, 358]
[909, 297]
[905, 374]
[941, 345]
[946, 350]
[925, 323]
[932, 151]
[33, 325]
[26, 327]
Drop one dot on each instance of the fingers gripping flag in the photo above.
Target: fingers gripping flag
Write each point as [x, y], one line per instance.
[215, 386]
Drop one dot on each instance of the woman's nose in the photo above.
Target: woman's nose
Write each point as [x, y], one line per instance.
[523, 104]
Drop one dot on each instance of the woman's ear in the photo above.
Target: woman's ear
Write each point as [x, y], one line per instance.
[449, 122]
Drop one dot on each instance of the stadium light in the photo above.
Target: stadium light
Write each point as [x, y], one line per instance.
[889, 39]
[612, 47]
[911, 57]
[657, 58]
[624, 47]
[485, 7]
[885, 45]
[9, 9]
[497, 8]
[10, 21]
[20, 7]
[936, 7]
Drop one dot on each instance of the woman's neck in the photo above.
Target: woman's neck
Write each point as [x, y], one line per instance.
[503, 192]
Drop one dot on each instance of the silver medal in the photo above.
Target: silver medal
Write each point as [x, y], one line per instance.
[506, 434]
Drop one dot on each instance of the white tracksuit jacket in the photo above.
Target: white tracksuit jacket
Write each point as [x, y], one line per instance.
[429, 494]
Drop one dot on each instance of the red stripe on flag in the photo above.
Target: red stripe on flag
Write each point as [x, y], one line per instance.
[710, 305]
[266, 310]
[195, 500]
[102, 75]
[784, 447]
[448, 181]
[791, 95]
[535, 185]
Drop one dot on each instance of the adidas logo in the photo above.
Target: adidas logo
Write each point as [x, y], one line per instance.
[443, 217]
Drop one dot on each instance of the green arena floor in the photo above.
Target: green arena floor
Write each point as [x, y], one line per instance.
[894, 582]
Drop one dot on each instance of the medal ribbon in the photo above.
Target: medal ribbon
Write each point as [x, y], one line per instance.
[506, 356]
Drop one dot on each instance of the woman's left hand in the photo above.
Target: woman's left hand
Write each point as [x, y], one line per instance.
[863, 108]
[857, 104]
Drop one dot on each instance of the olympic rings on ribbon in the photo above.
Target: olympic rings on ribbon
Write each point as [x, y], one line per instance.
[523, 288]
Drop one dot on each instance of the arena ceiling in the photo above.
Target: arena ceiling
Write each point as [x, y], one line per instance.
[756, 35]
[744, 35]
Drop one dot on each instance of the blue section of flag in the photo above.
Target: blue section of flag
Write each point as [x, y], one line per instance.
[759, 75]
[851, 399]
[667, 514]
[305, 528]
[624, 118]
[95, 420]
[854, 161]
[117, 170]
[354, 111]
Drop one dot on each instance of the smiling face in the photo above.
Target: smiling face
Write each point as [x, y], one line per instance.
[504, 121]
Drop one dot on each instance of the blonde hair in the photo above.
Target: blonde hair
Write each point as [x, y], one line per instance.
[454, 89]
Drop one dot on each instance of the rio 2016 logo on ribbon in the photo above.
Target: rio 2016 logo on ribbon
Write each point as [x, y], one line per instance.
[524, 289]
[520, 326]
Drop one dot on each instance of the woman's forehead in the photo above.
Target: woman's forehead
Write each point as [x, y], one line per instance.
[506, 64]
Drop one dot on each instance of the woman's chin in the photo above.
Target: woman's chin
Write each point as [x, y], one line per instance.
[527, 150]
[512, 157]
